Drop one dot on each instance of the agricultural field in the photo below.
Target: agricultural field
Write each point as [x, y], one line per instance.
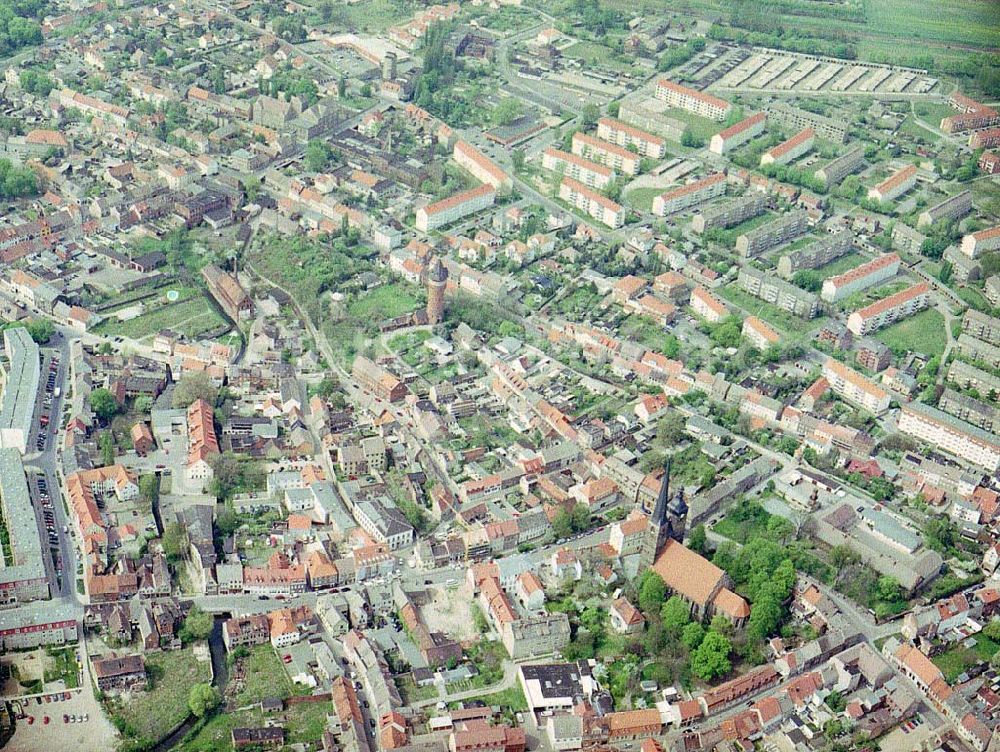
[924, 333]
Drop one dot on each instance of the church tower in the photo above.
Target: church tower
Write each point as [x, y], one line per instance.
[667, 522]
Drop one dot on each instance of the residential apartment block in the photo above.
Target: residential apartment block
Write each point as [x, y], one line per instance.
[968, 376]
[860, 277]
[837, 169]
[855, 388]
[484, 169]
[591, 174]
[730, 213]
[954, 207]
[981, 326]
[20, 378]
[816, 254]
[627, 135]
[760, 334]
[895, 185]
[738, 134]
[790, 150]
[599, 207]
[706, 305]
[608, 154]
[692, 100]
[793, 117]
[778, 292]
[455, 207]
[977, 243]
[884, 312]
[971, 115]
[980, 414]
[949, 434]
[786, 227]
[976, 349]
[692, 194]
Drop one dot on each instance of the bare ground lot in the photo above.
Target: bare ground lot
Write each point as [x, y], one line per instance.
[450, 611]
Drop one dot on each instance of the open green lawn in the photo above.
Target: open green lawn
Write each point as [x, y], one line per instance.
[960, 658]
[786, 323]
[595, 55]
[377, 15]
[924, 333]
[841, 265]
[508, 699]
[701, 128]
[265, 677]
[154, 713]
[192, 316]
[385, 302]
[642, 198]
[974, 298]
[303, 723]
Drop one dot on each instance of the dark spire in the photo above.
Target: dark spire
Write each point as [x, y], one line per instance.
[663, 498]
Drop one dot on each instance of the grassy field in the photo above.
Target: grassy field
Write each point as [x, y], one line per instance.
[384, 302]
[924, 333]
[193, 316]
[303, 724]
[508, 699]
[595, 55]
[266, 677]
[642, 198]
[786, 323]
[841, 265]
[960, 658]
[701, 128]
[974, 298]
[152, 714]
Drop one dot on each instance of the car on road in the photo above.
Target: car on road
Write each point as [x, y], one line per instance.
[287, 658]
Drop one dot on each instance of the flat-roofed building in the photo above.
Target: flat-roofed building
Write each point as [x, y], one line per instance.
[817, 254]
[608, 154]
[38, 624]
[895, 185]
[984, 241]
[692, 100]
[627, 135]
[793, 117]
[949, 434]
[790, 150]
[738, 134]
[855, 388]
[860, 277]
[24, 579]
[455, 207]
[730, 213]
[837, 169]
[981, 326]
[482, 168]
[786, 227]
[600, 207]
[968, 376]
[591, 174]
[20, 375]
[953, 207]
[887, 311]
[980, 414]
[771, 289]
[978, 350]
[692, 194]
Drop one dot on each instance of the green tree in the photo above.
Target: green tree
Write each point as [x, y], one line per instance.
[692, 635]
[41, 330]
[197, 625]
[698, 539]
[711, 659]
[103, 403]
[319, 155]
[203, 698]
[562, 524]
[675, 614]
[507, 111]
[107, 444]
[174, 541]
[194, 386]
[589, 115]
[652, 592]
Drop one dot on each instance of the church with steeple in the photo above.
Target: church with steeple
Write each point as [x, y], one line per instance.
[667, 522]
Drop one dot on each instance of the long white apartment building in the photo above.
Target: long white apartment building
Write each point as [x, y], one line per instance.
[738, 134]
[481, 167]
[895, 185]
[837, 169]
[856, 388]
[692, 100]
[860, 277]
[20, 376]
[601, 208]
[627, 135]
[706, 305]
[455, 207]
[730, 213]
[608, 154]
[977, 243]
[889, 310]
[950, 434]
[692, 194]
[591, 174]
[25, 579]
[791, 149]
[816, 254]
